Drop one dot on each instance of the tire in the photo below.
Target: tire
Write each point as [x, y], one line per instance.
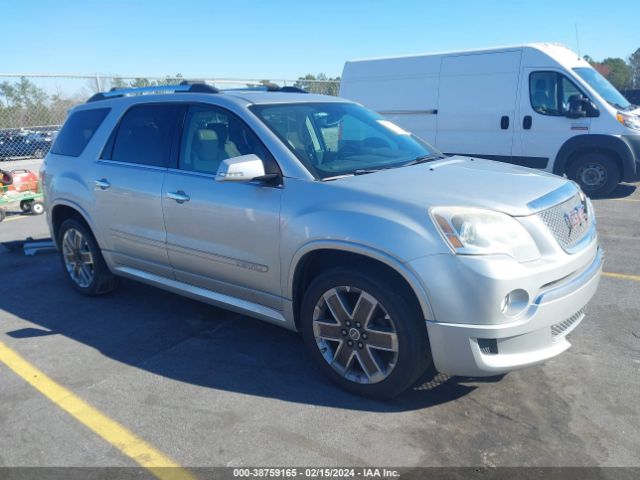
[365, 357]
[96, 279]
[3, 215]
[36, 207]
[25, 205]
[597, 174]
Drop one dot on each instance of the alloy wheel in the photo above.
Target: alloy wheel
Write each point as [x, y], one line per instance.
[78, 259]
[355, 334]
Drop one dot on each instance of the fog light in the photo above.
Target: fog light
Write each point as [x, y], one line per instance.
[514, 302]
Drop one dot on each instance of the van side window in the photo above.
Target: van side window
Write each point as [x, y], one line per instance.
[145, 134]
[77, 131]
[211, 135]
[543, 90]
[550, 93]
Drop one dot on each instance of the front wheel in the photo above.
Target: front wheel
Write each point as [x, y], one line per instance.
[25, 205]
[596, 173]
[366, 335]
[82, 259]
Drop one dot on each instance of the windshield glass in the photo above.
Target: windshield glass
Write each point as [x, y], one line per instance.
[334, 139]
[603, 87]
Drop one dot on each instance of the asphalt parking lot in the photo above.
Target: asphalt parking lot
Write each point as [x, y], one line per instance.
[207, 387]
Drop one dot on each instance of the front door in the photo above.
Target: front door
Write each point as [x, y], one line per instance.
[222, 236]
[542, 126]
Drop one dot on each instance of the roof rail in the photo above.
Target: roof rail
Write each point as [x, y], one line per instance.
[269, 87]
[185, 86]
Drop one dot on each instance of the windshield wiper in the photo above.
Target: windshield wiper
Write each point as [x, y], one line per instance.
[424, 158]
[364, 171]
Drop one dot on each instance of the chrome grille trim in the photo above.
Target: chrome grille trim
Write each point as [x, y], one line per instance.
[564, 327]
[551, 199]
[557, 221]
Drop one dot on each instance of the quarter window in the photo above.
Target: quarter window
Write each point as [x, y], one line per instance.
[211, 135]
[77, 131]
[145, 135]
[551, 92]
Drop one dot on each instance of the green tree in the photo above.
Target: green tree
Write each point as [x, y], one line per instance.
[319, 84]
[118, 82]
[619, 72]
[23, 104]
[141, 83]
[634, 65]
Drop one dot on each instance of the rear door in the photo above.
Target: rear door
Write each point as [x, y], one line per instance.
[542, 126]
[128, 187]
[222, 236]
[477, 104]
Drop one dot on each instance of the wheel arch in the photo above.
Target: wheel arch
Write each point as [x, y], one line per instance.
[64, 210]
[319, 256]
[616, 147]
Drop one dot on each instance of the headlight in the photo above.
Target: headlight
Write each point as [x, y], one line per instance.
[475, 231]
[629, 121]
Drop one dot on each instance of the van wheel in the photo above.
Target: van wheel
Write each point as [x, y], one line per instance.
[366, 335]
[82, 259]
[596, 173]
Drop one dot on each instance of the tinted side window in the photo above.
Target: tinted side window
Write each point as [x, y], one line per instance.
[211, 135]
[551, 92]
[77, 131]
[543, 90]
[145, 135]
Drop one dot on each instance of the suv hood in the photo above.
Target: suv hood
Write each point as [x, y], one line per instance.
[460, 181]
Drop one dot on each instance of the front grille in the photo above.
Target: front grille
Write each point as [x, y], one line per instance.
[559, 328]
[568, 221]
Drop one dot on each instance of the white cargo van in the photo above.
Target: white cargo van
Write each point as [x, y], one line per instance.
[537, 105]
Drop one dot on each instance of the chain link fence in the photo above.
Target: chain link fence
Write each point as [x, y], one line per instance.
[34, 107]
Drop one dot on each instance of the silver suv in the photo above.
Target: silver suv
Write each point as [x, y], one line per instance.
[315, 214]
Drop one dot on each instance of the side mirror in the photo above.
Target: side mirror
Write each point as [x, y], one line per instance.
[591, 108]
[244, 168]
[576, 107]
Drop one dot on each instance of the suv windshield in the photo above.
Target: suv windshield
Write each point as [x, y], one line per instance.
[335, 139]
[603, 87]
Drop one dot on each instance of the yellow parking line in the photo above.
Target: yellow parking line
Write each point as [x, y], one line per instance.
[11, 219]
[127, 442]
[622, 276]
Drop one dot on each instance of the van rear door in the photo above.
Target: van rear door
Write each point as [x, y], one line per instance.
[477, 103]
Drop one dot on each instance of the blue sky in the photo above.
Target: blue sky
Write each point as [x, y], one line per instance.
[285, 39]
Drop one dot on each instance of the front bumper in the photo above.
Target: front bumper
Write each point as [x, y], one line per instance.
[493, 345]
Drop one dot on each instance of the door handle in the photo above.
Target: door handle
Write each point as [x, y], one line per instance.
[103, 184]
[179, 196]
[504, 122]
[526, 122]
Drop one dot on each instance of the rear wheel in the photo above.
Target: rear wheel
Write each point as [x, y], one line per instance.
[367, 336]
[596, 173]
[37, 208]
[82, 259]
